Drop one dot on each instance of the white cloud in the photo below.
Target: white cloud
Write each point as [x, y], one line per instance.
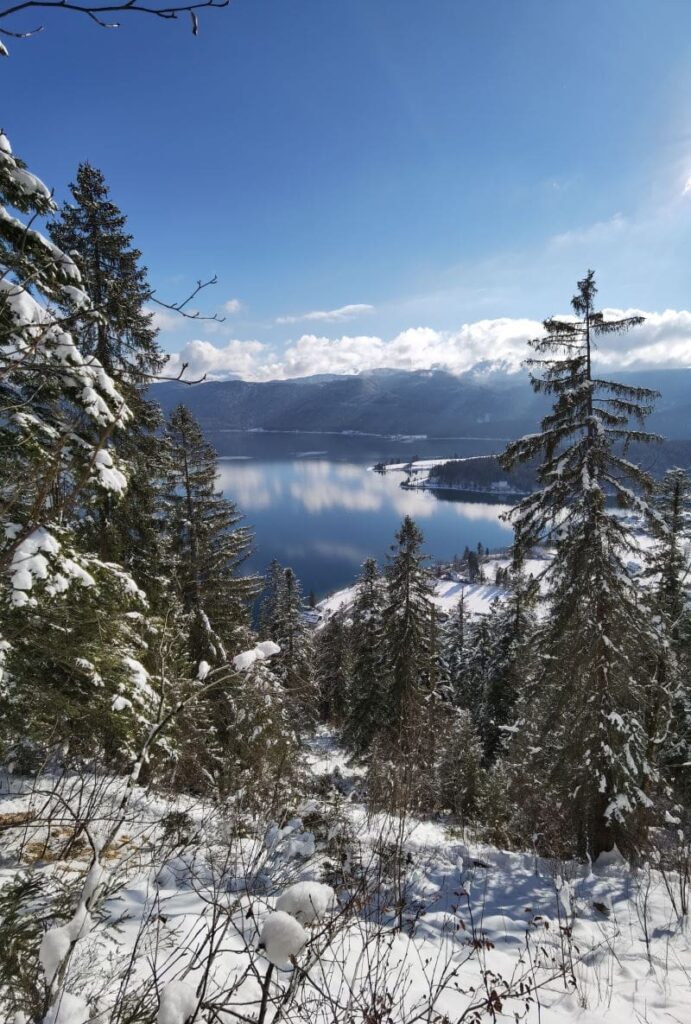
[235, 359]
[329, 315]
[663, 340]
[232, 306]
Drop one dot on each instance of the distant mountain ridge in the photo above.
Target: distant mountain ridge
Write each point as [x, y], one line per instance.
[394, 402]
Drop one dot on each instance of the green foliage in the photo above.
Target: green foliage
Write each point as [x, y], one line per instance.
[368, 697]
[73, 679]
[333, 666]
[72, 623]
[408, 624]
[282, 619]
[582, 741]
[208, 546]
[459, 768]
[668, 572]
[22, 902]
[122, 337]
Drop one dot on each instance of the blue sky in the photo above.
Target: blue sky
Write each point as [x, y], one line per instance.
[441, 163]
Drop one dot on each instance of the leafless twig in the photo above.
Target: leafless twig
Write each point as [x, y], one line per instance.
[96, 12]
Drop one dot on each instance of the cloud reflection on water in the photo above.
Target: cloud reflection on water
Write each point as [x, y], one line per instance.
[320, 486]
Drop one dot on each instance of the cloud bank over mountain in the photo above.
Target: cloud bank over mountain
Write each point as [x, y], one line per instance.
[663, 341]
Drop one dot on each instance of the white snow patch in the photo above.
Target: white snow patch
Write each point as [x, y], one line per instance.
[68, 1009]
[178, 1003]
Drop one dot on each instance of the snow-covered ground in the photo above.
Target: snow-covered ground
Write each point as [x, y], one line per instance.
[425, 465]
[334, 913]
[477, 597]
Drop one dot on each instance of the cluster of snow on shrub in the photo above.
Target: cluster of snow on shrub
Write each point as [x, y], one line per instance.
[178, 1003]
[282, 937]
[308, 902]
[304, 903]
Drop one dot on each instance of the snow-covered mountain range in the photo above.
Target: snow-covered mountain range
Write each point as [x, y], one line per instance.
[482, 403]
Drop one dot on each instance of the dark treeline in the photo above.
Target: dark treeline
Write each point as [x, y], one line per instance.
[483, 473]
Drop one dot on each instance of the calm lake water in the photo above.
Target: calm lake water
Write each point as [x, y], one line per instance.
[313, 503]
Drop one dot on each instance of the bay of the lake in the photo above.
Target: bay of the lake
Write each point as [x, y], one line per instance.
[313, 502]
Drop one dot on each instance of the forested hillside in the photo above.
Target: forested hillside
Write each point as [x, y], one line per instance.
[434, 403]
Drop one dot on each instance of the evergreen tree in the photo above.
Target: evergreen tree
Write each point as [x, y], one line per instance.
[261, 755]
[75, 684]
[583, 746]
[273, 598]
[367, 704]
[122, 336]
[72, 626]
[511, 631]
[669, 599]
[407, 625]
[333, 667]
[123, 339]
[58, 413]
[282, 619]
[208, 545]
[478, 666]
[456, 654]
[207, 600]
[459, 770]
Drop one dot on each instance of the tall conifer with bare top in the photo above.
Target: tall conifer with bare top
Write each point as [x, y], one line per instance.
[581, 741]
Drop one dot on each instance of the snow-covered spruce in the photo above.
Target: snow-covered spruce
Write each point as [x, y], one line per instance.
[581, 744]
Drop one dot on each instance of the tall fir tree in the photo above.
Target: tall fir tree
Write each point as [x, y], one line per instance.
[668, 596]
[272, 601]
[479, 663]
[368, 697]
[58, 413]
[122, 337]
[408, 619]
[208, 545]
[583, 748]
[70, 622]
[207, 601]
[455, 652]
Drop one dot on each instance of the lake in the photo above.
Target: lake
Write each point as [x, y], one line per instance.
[314, 504]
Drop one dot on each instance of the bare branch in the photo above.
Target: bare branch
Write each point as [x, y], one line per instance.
[96, 11]
[179, 307]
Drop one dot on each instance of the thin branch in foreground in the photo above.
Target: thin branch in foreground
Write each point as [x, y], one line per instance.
[95, 12]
